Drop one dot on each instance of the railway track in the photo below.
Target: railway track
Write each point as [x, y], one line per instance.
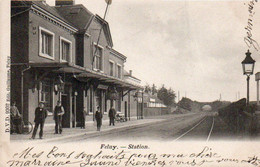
[202, 130]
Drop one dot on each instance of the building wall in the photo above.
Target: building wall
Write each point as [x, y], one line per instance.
[117, 61]
[89, 48]
[32, 99]
[155, 111]
[80, 50]
[37, 21]
[133, 104]
[32, 95]
[19, 38]
[19, 55]
[25, 48]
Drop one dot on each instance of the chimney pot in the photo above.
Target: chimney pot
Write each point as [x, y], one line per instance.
[64, 2]
[130, 72]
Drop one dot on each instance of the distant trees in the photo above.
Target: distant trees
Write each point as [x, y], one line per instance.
[154, 89]
[166, 95]
[147, 88]
[150, 89]
[185, 103]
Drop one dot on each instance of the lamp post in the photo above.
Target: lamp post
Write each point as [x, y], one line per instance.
[112, 95]
[139, 96]
[248, 69]
[59, 87]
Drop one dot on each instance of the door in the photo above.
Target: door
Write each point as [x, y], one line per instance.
[66, 102]
[126, 110]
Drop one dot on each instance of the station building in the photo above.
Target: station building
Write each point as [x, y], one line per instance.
[64, 52]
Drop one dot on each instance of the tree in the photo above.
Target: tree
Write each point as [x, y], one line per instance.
[154, 89]
[185, 103]
[147, 88]
[167, 96]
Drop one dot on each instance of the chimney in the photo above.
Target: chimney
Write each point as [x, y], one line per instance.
[64, 2]
[130, 72]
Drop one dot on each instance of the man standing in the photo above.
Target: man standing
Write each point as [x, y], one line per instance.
[98, 117]
[40, 116]
[16, 119]
[58, 112]
[112, 115]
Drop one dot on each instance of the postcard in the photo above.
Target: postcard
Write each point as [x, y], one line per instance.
[130, 83]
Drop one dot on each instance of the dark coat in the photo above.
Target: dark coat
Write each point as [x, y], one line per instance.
[98, 115]
[58, 110]
[112, 113]
[40, 114]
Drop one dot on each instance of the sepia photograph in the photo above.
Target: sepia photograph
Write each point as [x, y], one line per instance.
[132, 72]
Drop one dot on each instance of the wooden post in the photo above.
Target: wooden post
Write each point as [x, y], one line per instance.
[129, 105]
[142, 112]
[248, 78]
[75, 110]
[257, 91]
[137, 108]
[126, 110]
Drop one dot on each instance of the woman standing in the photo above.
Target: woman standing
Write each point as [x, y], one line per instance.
[98, 117]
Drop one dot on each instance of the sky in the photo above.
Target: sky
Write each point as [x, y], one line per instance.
[194, 47]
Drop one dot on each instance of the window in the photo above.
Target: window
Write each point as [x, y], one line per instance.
[65, 50]
[46, 44]
[111, 68]
[45, 94]
[98, 57]
[119, 71]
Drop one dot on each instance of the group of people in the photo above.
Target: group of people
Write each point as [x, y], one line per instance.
[99, 116]
[41, 114]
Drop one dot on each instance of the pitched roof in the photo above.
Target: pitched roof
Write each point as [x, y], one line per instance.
[49, 8]
[81, 17]
[105, 28]
[157, 100]
[77, 15]
[40, 4]
[126, 73]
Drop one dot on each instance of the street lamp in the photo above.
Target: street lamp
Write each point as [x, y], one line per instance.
[112, 94]
[59, 87]
[248, 68]
[139, 97]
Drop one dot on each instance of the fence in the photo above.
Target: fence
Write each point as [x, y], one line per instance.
[156, 111]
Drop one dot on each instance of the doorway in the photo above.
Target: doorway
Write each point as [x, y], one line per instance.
[65, 102]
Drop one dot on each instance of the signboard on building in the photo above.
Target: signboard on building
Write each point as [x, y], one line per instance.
[152, 100]
[100, 86]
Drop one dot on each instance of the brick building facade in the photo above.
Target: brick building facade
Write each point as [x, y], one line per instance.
[66, 53]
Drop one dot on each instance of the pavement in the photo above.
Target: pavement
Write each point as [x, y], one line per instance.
[166, 127]
[163, 128]
[49, 136]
